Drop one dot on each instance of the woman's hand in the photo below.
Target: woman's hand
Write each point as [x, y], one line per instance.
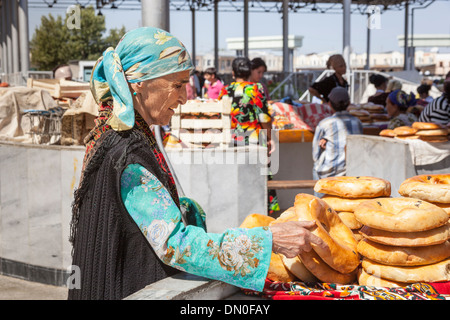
[293, 237]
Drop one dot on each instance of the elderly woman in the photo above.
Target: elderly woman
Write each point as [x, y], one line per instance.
[397, 104]
[129, 227]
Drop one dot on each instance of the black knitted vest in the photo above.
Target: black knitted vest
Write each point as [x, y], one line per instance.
[113, 255]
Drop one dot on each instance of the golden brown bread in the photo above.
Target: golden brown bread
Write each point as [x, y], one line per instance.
[433, 132]
[256, 220]
[434, 138]
[428, 187]
[404, 131]
[277, 270]
[349, 219]
[354, 187]
[365, 279]
[340, 251]
[387, 133]
[408, 239]
[314, 263]
[400, 214]
[427, 126]
[403, 256]
[436, 272]
[343, 204]
[297, 268]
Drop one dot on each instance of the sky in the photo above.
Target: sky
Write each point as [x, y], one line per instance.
[321, 32]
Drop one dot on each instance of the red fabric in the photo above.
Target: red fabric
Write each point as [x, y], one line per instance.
[313, 113]
[289, 112]
[329, 291]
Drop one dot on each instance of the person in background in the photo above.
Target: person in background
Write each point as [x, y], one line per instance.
[424, 96]
[393, 85]
[322, 88]
[249, 114]
[191, 92]
[330, 136]
[212, 84]
[397, 104]
[438, 111]
[259, 67]
[198, 82]
[380, 82]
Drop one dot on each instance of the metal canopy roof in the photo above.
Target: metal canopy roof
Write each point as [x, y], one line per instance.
[319, 6]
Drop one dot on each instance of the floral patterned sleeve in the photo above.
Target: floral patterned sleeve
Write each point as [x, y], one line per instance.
[239, 256]
[259, 102]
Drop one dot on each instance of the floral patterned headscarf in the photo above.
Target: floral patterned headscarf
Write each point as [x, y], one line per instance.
[402, 99]
[142, 54]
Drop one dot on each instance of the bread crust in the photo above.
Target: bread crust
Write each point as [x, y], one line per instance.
[349, 219]
[343, 204]
[436, 272]
[407, 239]
[314, 263]
[297, 268]
[426, 126]
[405, 131]
[427, 187]
[365, 279]
[432, 132]
[403, 256]
[387, 133]
[400, 214]
[340, 252]
[354, 187]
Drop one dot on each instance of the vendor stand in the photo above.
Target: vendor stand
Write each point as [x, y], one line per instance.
[395, 159]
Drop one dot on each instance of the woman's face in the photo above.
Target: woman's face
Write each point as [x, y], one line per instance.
[391, 108]
[156, 99]
[339, 66]
[257, 74]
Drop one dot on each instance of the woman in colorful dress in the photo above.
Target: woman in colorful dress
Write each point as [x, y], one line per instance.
[129, 227]
[251, 122]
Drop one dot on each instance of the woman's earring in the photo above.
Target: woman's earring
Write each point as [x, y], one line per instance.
[134, 93]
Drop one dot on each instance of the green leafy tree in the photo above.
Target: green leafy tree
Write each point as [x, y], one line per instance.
[53, 43]
[48, 47]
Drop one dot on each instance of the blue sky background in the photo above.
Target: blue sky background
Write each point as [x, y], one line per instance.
[321, 31]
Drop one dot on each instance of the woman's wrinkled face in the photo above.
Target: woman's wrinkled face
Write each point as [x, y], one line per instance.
[156, 99]
[257, 74]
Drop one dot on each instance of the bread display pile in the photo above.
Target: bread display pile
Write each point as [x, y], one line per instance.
[406, 239]
[368, 113]
[429, 132]
[344, 194]
[371, 238]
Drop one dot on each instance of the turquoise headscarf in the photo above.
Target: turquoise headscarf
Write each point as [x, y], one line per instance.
[142, 54]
